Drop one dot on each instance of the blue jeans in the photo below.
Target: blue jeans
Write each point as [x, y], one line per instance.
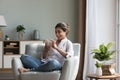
[38, 65]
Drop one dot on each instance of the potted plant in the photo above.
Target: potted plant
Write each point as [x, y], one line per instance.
[103, 54]
[98, 70]
[7, 37]
[21, 30]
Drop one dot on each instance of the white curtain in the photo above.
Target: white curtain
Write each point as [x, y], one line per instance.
[118, 36]
[89, 66]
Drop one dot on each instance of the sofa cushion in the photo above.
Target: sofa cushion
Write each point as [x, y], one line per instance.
[35, 50]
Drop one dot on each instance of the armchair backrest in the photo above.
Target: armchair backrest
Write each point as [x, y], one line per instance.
[76, 47]
[36, 49]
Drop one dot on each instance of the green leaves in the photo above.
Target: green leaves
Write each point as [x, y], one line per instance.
[109, 45]
[103, 48]
[103, 52]
[98, 64]
[6, 36]
[96, 51]
[20, 28]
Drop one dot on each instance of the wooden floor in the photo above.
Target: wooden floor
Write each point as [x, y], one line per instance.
[6, 75]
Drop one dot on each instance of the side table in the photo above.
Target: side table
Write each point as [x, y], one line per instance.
[111, 77]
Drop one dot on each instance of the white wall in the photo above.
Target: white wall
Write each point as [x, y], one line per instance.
[106, 21]
[39, 14]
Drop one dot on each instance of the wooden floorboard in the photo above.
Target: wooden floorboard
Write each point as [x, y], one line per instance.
[6, 75]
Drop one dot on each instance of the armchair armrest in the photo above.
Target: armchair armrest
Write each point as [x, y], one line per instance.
[70, 68]
[16, 63]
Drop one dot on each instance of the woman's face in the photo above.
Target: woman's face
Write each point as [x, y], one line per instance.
[60, 34]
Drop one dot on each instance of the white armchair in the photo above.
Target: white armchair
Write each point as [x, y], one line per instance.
[68, 72]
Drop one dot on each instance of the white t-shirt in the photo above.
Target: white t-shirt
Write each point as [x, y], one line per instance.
[65, 45]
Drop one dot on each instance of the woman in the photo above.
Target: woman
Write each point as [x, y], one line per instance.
[54, 55]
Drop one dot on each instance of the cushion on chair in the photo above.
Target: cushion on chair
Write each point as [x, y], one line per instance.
[55, 75]
[35, 50]
[76, 47]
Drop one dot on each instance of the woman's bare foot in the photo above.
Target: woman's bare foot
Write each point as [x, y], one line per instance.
[21, 70]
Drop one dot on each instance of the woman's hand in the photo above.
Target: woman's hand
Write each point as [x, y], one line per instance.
[53, 43]
[47, 45]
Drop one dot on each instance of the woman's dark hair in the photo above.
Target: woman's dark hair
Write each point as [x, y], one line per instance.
[64, 26]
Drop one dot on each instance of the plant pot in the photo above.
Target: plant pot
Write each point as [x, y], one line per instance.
[99, 71]
[7, 38]
[108, 69]
[20, 35]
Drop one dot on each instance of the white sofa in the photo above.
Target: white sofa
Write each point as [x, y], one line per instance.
[68, 72]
